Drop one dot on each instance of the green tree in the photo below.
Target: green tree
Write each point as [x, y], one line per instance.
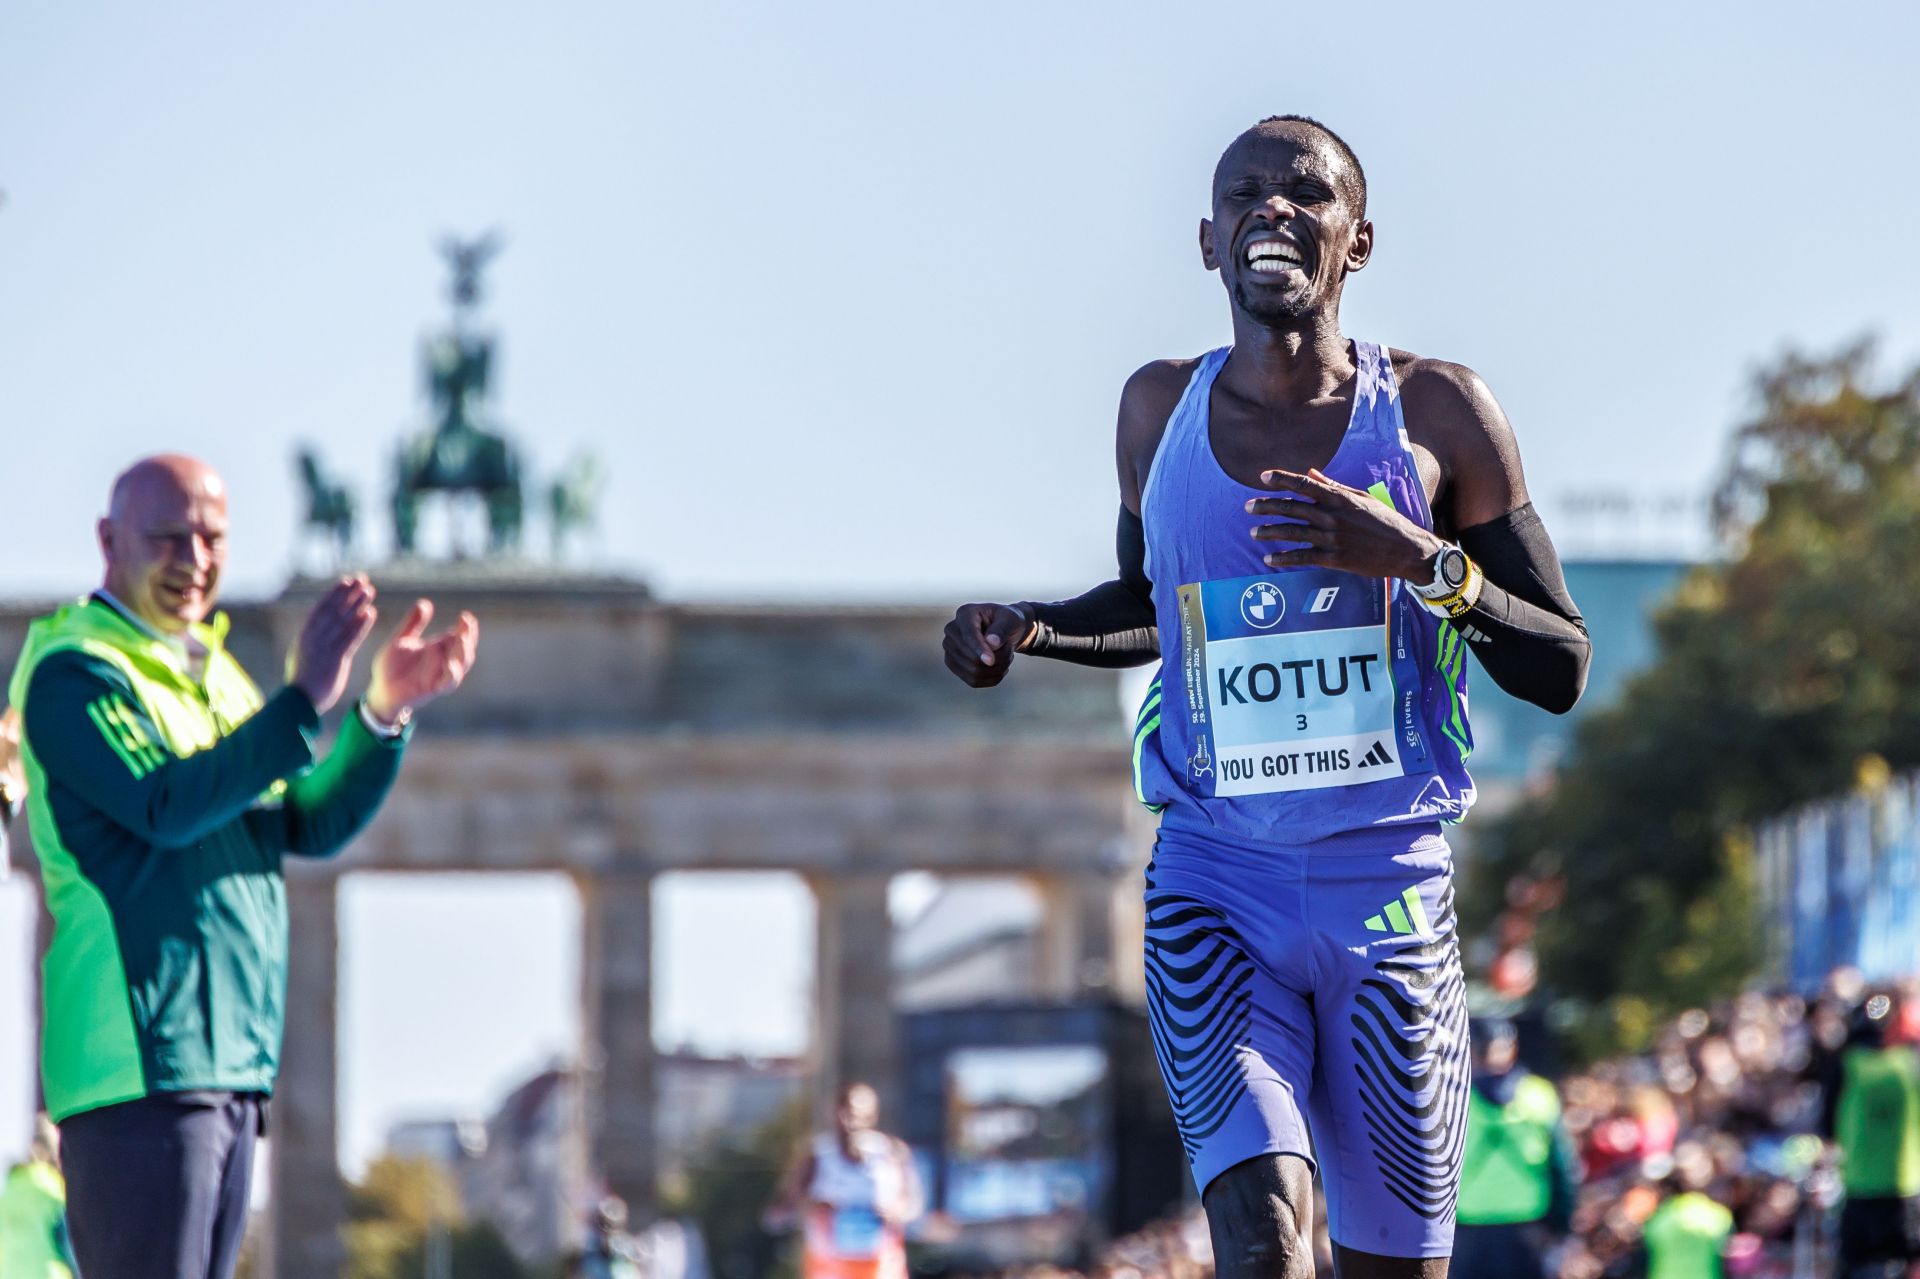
[1786, 671]
[394, 1209]
[729, 1183]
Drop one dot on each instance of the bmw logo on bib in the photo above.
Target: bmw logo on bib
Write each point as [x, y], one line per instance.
[1263, 605]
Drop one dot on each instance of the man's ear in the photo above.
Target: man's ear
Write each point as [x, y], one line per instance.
[1207, 256]
[1360, 251]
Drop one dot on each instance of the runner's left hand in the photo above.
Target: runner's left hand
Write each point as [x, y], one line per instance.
[414, 667]
[1343, 528]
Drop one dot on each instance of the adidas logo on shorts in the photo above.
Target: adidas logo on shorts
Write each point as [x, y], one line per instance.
[1403, 916]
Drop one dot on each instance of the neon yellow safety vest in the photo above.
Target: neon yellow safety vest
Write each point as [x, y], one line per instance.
[33, 1211]
[1878, 1122]
[1686, 1238]
[1506, 1172]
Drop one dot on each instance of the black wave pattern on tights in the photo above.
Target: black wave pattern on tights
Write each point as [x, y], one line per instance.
[1414, 1070]
[1198, 976]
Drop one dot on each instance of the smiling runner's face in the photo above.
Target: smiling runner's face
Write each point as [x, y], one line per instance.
[1286, 228]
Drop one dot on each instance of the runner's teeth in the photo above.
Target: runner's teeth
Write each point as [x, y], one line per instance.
[1273, 266]
[1269, 250]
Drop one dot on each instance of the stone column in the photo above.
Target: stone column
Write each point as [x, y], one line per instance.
[616, 912]
[854, 1031]
[1074, 948]
[309, 1199]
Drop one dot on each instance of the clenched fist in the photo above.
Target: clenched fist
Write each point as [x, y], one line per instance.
[981, 640]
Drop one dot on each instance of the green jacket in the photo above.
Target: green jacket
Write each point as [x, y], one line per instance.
[33, 1224]
[160, 806]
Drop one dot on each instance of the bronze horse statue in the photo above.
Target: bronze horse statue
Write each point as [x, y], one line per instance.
[459, 455]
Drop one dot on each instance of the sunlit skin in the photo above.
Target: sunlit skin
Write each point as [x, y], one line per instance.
[164, 540]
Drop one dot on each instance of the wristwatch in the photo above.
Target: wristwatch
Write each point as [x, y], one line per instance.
[1455, 585]
[1450, 565]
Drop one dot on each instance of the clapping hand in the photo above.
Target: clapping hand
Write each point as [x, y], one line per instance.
[414, 667]
[323, 655]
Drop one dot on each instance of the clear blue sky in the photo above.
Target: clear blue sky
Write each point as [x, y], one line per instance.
[844, 294]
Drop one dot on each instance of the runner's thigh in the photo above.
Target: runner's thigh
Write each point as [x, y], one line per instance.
[1234, 1037]
[1389, 1109]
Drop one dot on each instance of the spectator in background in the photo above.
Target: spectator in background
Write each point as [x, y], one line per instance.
[33, 1213]
[1875, 1119]
[1519, 1174]
[1686, 1237]
[13, 779]
[610, 1252]
[853, 1190]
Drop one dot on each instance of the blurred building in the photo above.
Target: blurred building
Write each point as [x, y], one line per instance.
[704, 1099]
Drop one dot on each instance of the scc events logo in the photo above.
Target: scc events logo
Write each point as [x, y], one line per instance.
[1263, 605]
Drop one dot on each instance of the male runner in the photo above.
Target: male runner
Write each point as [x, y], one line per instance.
[1309, 734]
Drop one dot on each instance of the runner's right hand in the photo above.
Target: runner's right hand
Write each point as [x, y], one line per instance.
[322, 657]
[981, 640]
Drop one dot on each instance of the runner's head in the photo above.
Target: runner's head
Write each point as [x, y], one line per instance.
[164, 538]
[859, 1109]
[1289, 220]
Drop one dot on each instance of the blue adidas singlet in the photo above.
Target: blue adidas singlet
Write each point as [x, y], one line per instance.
[1293, 704]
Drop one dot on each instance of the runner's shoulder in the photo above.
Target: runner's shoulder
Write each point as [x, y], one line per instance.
[1449, 400]
[1149, 397]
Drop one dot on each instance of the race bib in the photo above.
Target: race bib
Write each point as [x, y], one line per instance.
[1290, 682]
[857, 1232]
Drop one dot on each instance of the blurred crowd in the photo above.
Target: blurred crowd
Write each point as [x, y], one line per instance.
[1735, 1104]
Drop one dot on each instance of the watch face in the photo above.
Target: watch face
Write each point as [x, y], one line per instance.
[1453, 568]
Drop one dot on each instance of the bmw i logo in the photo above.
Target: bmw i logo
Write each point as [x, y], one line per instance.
[1263, 605]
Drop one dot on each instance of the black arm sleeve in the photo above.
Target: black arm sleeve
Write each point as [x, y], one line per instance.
[1112, 624]
[1524, 628]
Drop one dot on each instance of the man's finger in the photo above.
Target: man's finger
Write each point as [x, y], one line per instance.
[1309, 556]
[1293, 480]
[1306, 533]
[1289, 508]
[416, 620]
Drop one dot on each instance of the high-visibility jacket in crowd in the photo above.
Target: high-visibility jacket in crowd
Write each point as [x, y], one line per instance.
[1877, 1123]
[1686, 1237]
[1506, 1171]
[162, 799]
[33, 1224]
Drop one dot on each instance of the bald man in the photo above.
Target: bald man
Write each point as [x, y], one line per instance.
[164, 792]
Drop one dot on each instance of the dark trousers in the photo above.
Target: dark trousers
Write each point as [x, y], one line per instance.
[158, 1188]
[1497, 1252]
